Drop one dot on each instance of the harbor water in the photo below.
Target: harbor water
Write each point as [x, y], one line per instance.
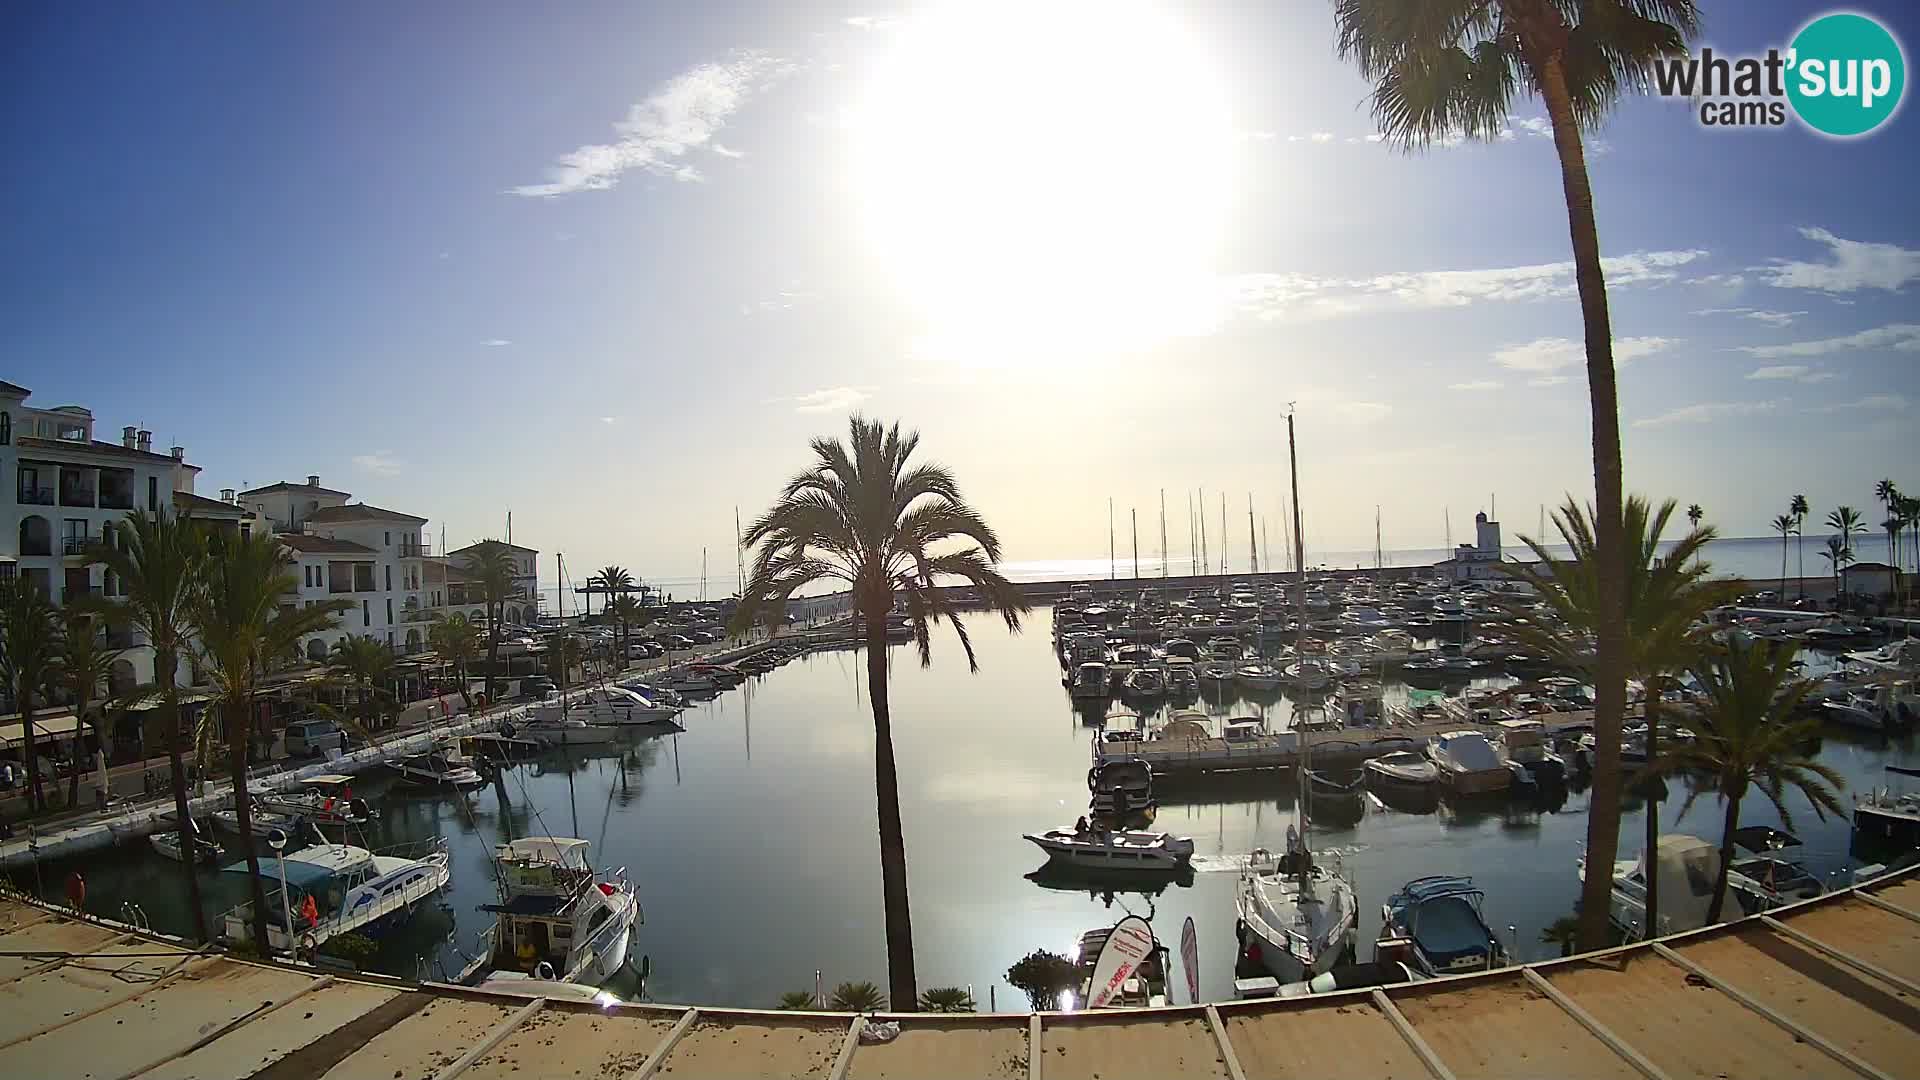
[752, 834]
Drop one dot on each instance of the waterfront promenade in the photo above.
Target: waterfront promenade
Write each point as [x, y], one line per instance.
[1828, 987]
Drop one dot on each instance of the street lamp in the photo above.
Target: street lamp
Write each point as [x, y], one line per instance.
[277, 840]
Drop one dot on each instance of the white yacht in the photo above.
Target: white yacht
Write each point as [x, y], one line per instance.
[436, 770]
[1296, 918]
[553, 731]
[1468, 764]
[1120, 850]
[351, 889]
[1403, 768]
[1309, 674]
[609, 706]
[1089, 681]
[323, 800]
[1258, 675]
[557, 918]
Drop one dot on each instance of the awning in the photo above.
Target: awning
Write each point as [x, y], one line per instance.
[186, 697]
[52, 726]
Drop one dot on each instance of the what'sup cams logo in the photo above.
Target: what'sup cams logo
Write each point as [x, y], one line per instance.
[1843, 76]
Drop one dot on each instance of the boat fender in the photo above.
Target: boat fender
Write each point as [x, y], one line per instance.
[543, 970]
[506, 729]
[308, 943]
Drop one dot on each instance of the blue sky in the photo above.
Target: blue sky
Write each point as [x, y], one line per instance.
[1087, 260]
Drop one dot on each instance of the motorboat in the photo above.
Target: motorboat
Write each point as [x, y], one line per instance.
[263, 823]
[653, 692]
[553, 731]
[1296, 917]
[1119, 787]
[610, 706]
[557, 917]
[1688, 868]
[1114, 850]
[324, 800]
[1146, 987]
[1468, 764]
[1182, 678]
[1884, 707]
[1403, 768]
[1434, 925]
[1258, 675]
[1887, 818]
[351, 890]
[1089, 682]
[1218, 672]
[167, 843]
[1524, 742]
[1243, 729]
[685, 680]
[436, 770]
[1146, 682]
[1309, 674]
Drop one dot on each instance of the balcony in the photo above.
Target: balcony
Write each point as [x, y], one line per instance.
[76, 545]
[116, 498]
[36, 496]
[76, 495]
[120, 639]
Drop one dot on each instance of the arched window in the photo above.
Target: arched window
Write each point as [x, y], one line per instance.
[316, 649]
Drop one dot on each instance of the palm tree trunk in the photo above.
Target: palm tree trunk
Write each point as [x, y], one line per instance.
[165, 665]
[493, 652]
[1651, 926]
[901, 981]
[1783, 569]
[36, 802]
[238, 722]
[1610, 674]
[1726, 858]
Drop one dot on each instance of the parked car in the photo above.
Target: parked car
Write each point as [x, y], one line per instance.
[704, 637]
[676, 642]
[308, 737]
[535, 687]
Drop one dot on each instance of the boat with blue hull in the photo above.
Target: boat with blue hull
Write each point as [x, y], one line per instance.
[1435, 926]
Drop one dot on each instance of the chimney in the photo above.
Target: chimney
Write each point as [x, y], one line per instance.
[127, 436]
[227, 495]
[313, 479]
[143, 441]
[179, 453]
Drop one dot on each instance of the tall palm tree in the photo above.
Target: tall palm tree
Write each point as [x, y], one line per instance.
[1694, 514]
[457, 642]
[863, 515]
[28, 644]
[1785, 527]
[367, 664]
[1845, 520]
[1749, 733]
[82, 664]
[1838, 555]
[490, 563]
[1798, 508]
[157, 559]
[612, 580]
[1667, 602]
[245, 623]
[1452, 67]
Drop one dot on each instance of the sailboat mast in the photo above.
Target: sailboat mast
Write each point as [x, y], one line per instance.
[1134, 516]
[1300, 584]
[1253, 541]
[1223, 532]
[1112, 559]
[1206, 564]
[1193, 546]
[1163, 532]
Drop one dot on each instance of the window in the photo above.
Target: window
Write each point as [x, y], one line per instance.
[386, 539]
[153, 494]
[389, 619]
[366, 613]
[71, 433]
[246, 530]
[6, 428]
[389, 578]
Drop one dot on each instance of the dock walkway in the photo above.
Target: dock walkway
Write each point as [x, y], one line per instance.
[1828, 987]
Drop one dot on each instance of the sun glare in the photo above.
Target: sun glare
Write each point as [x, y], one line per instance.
[1046, 179]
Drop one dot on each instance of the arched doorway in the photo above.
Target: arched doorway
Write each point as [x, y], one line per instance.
[316, 650]
[36, 535]
[413, 640]
[120, 678]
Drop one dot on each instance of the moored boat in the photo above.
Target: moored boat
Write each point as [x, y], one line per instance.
[1116, 850]
[1434, 925]
[1468, 764]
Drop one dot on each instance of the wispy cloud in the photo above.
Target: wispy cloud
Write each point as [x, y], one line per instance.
[496, 343]
[1707, 412]
[1872, 402]
[1552, 354]
[1297, 295]
[1795, 372]
[379, 463]
[1477, 384]
[1849, 266]
[724, 151]
[609, 420]
[659, 132]
[870, 22]
[832, 399]
[784, 300]
[1900, 337]
[1759, 315]
[1550, 380]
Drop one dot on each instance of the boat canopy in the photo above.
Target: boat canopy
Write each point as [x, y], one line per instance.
[302, 876]
[1763, 838]
[567, 851]
[328, 780]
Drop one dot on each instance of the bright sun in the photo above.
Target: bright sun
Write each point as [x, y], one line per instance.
[1046, 179]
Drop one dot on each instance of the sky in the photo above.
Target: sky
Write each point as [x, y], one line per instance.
[611, 266]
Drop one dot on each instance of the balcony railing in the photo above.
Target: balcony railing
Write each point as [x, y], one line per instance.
[33, 496]
[75, 545]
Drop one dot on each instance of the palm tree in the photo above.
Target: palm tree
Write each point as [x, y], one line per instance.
[457, 641]
[28, 645]
[1694, 514]
[1451, 67]
[367, 664]
[628, 610]
[1749, 733]
[245, 624]
[157, 558]
[948, 999]
[1846, 521]
[1798, 508]
[564, 653]
[612, 580]
[1667, 602]
[490, 563]
[1838, 555]
[857, 997]
[797, 1001]
[82, 662]
[888, 529]
[1784, 526]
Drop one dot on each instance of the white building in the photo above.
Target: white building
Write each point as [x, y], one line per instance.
[523, 600]
[68, 486]
[1478, 561]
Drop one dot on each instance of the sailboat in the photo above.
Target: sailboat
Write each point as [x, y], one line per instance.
[1297, 918]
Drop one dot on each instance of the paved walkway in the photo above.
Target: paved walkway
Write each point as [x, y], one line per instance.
[1830, 987]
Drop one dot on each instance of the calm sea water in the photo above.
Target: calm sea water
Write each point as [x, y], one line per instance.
[753, 841]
